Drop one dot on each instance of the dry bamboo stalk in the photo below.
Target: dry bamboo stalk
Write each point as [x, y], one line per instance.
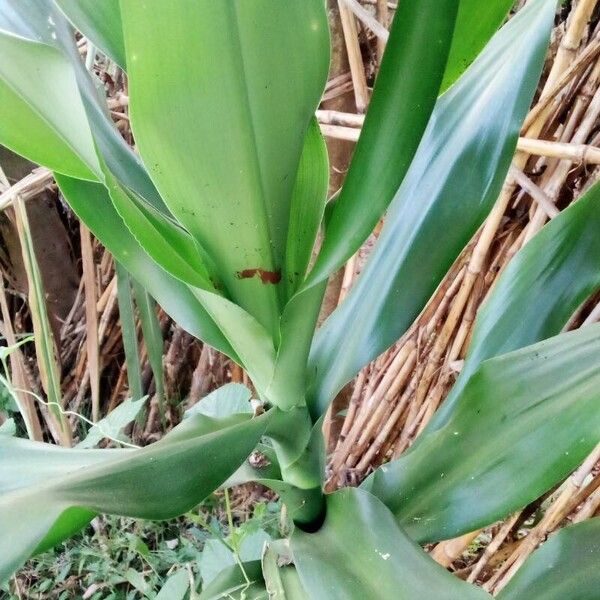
[91, 318]
[542, 199]
[382, 415]
[493, 546]
[466, 324]
[368, 20]
[388, 426]
[349, 134]
[352, 407]
[557, 179]
[106, 295]
[19, 379]
[442, 308]
[413, 419]
[26, 188]
[590, 506]
[109, 307]
[542, 110]
[376, 403]
[349, 274]
[336, 117]
[357, 68]
[445, 553]
[383, 15]
[581, 153]
[338, 91]
[553, 516]
[569, 45]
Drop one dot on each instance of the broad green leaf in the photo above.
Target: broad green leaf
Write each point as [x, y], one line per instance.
[93, 206]
[39, 483]
[166, 243]
[113, 424]
[247, 472]
[537, 293]
[176, 586]
[230, 399]
[452, 184]
[297, 328]
[307, 207]
[129, 331]
[360, 552]
[476, 23]
[100, 22]
[174, 250]
[522, 423]
[249, 339]
[41, 21]
[222, 128]
[43, 117]
[403, 99]
[298, 452]
[566, 566]
[235, 584]
[216, 557]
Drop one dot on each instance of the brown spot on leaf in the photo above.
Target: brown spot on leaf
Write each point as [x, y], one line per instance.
[273, 277]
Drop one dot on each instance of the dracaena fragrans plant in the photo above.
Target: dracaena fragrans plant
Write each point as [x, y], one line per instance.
[218, 217]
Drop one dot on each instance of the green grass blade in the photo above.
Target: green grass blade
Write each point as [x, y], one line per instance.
[153, 339]
[46, 351]
[129, 332]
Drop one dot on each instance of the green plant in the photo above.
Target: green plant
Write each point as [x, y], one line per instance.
[119, 558]
[219, 223]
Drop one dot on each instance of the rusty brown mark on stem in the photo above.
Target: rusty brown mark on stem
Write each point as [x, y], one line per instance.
[273, 277]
